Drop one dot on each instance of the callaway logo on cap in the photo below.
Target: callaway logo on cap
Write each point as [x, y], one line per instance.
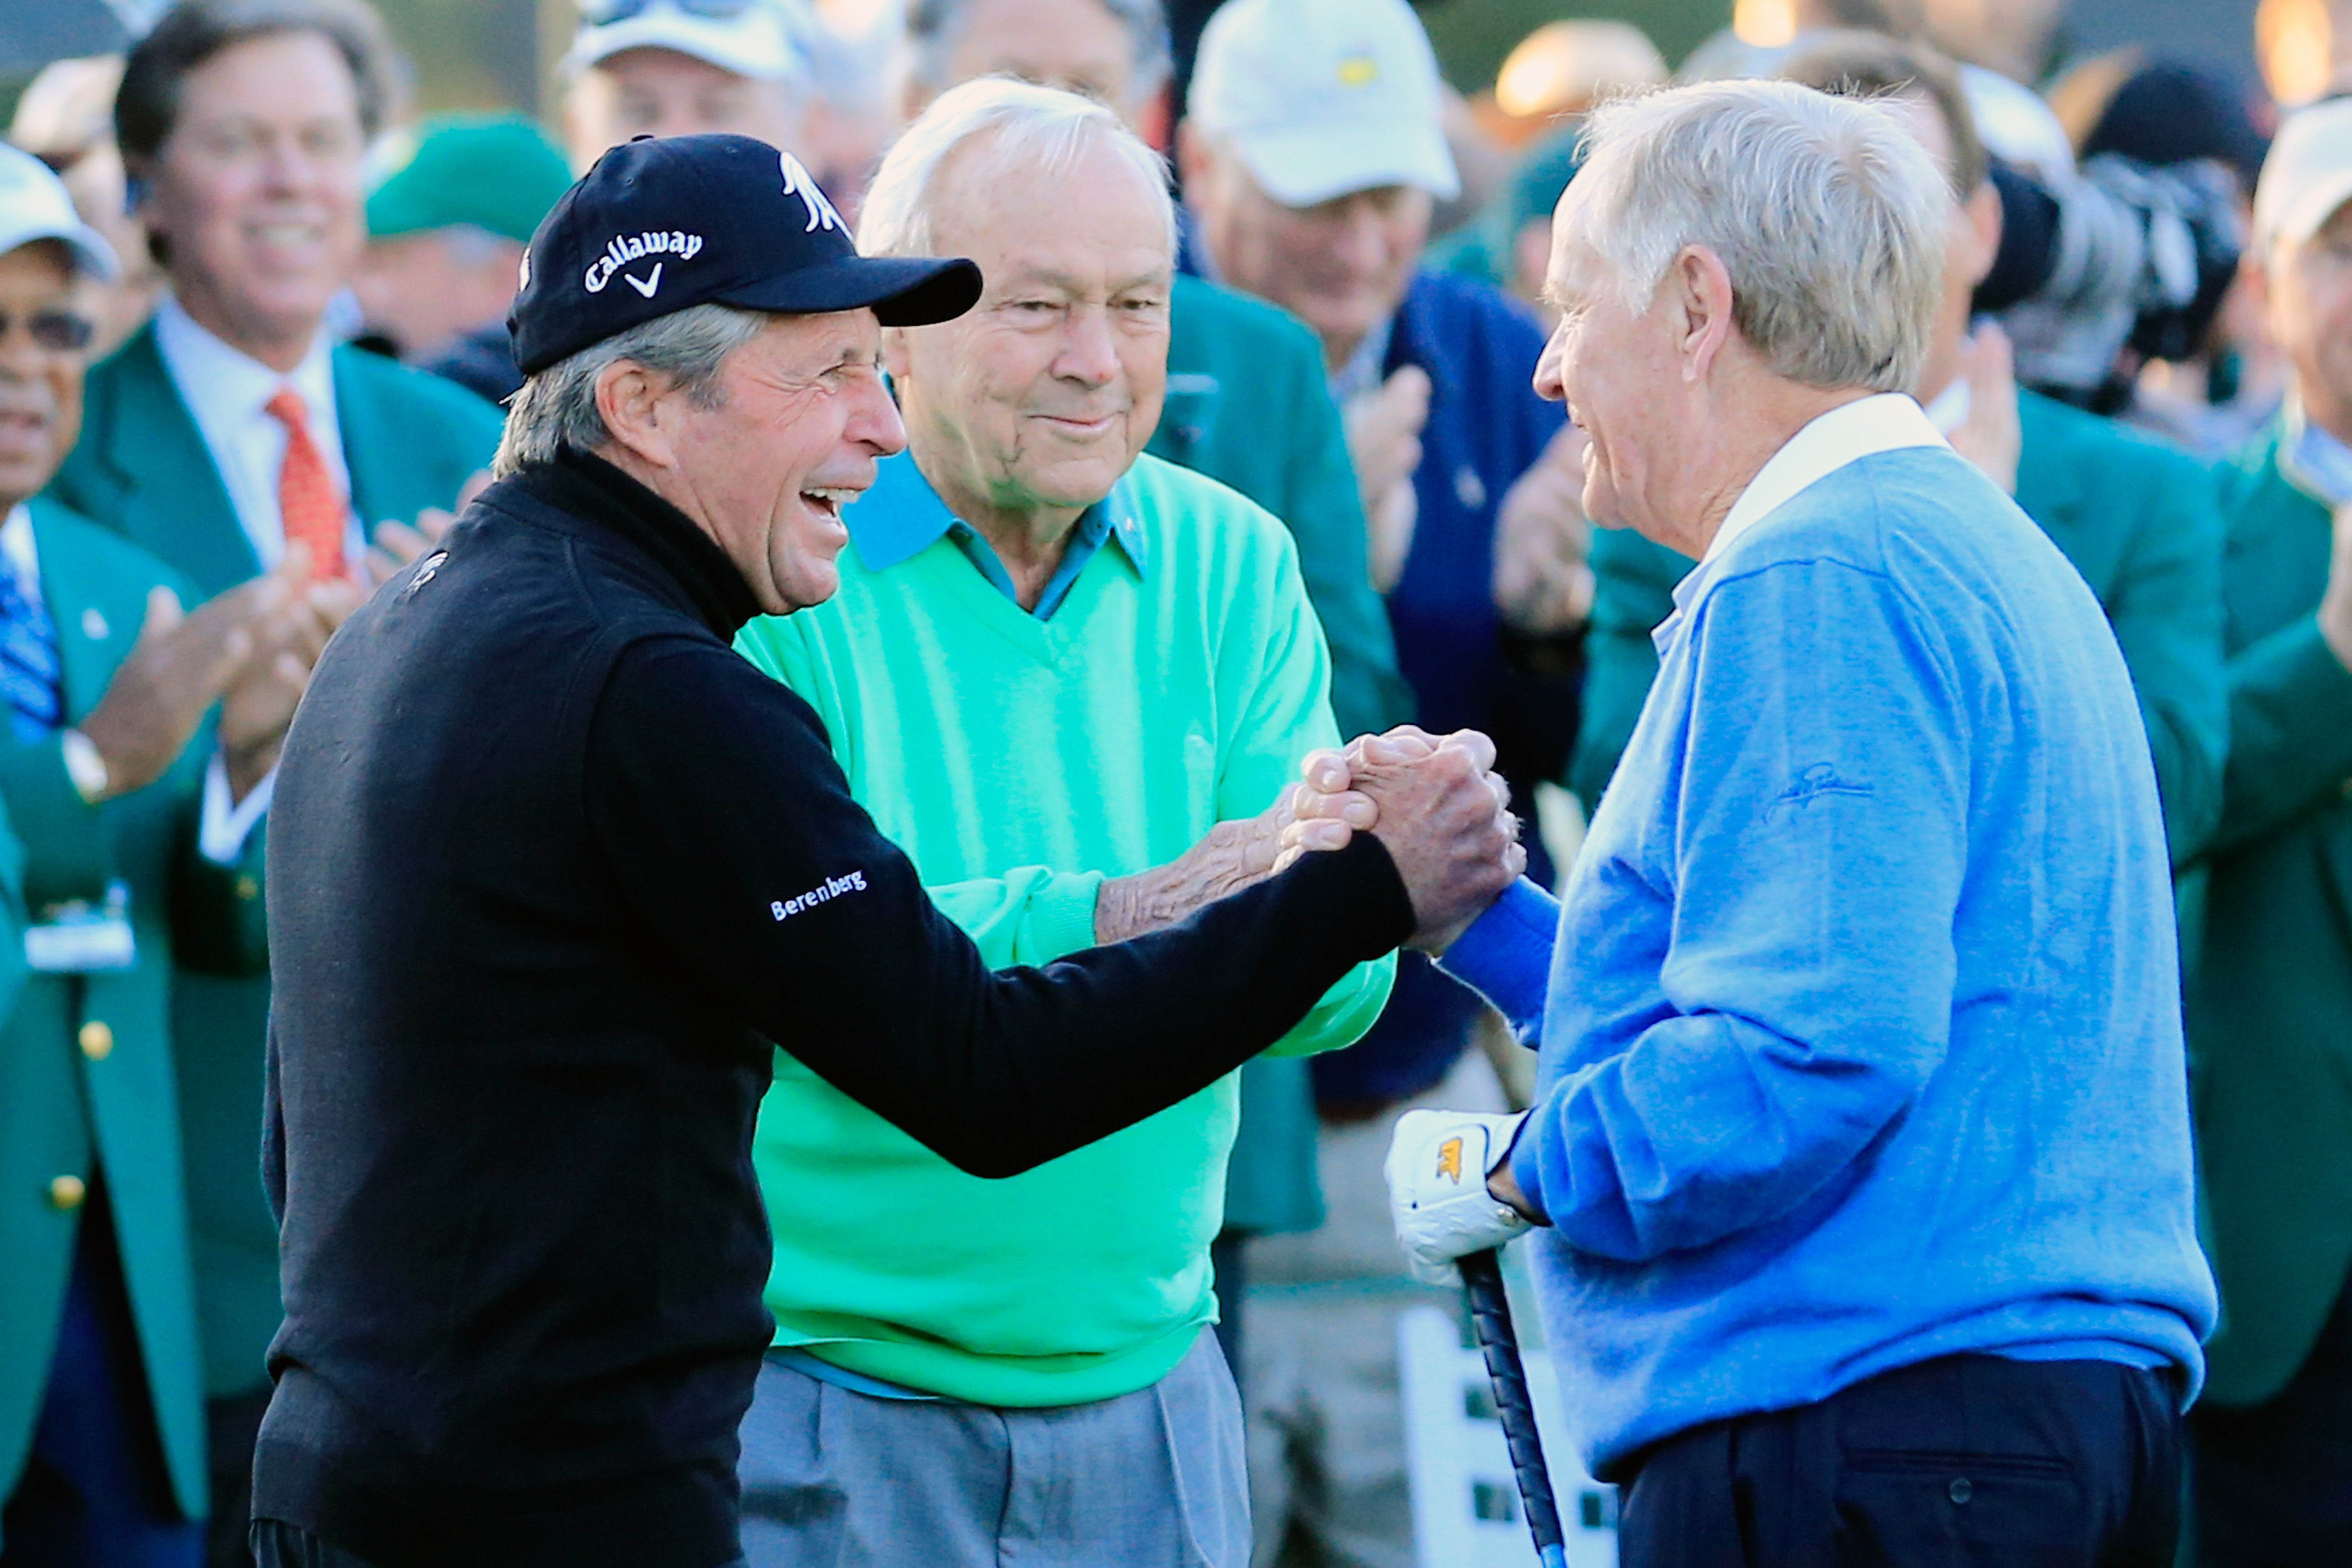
[697, 220]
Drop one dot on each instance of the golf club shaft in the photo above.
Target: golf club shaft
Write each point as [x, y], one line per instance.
[1490, 1314]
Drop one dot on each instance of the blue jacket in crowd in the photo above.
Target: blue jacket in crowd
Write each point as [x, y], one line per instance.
[1862, 1044]
[1486, 428]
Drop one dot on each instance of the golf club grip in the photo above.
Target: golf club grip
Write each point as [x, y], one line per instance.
[1490, 1315]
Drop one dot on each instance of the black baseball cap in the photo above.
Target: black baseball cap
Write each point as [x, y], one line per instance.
[662, 224]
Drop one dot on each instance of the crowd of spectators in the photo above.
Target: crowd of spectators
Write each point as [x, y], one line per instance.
[252, 347]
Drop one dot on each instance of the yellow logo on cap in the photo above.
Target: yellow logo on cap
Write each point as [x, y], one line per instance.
[1358, 70]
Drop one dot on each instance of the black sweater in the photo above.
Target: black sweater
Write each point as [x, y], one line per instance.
[551, 867]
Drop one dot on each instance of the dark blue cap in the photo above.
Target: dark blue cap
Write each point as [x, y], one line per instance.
[662, 224]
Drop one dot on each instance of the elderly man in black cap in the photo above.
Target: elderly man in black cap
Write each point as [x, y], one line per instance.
[554, 871]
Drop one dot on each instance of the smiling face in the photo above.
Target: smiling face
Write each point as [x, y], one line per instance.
[1032, 406]
[1622, 377]
[800, 418]
[661, 92]
[40, 385]
[257, 192]
[1343, 265]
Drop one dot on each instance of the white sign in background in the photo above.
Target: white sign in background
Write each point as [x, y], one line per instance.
[1465, 1503]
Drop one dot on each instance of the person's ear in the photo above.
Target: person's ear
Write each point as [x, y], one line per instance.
[2254, 278]
[897, 357]
[1153, 115]
[1698, 286]
[639, 409]
[1192, 159]
[587, 118]
[1981, 218]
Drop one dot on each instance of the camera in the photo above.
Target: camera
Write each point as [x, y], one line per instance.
[2119, 263]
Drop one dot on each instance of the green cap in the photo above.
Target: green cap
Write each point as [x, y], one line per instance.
[496, 172]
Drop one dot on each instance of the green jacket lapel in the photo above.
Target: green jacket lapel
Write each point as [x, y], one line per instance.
[370, 447]
[96, 617]
[173, 502]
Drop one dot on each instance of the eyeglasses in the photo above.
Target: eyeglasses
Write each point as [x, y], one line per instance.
[59, 332]
[604, 13]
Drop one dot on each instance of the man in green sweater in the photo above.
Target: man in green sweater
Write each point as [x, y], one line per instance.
[1247, 404]
[1072, 680]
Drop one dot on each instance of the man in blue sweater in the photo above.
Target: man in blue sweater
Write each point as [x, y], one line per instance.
[1862, 1142]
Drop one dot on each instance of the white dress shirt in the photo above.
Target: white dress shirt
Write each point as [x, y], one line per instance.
[222, 833]
[1884, 422]
[228, 391]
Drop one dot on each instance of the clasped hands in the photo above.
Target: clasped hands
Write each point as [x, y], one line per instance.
[1438, 806]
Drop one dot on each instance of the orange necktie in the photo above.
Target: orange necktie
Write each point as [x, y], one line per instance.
[309, 505]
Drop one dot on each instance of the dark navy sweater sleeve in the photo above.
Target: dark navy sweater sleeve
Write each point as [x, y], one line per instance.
[769, 883]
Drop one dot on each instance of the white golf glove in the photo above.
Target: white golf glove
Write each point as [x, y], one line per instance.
[1437, 1169]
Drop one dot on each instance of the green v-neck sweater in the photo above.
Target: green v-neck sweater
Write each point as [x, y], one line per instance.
[1021, 761]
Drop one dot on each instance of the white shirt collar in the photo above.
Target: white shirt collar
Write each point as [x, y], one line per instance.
[227, 393]
[1884, 422]
[235, 385]
[16, 548]
[2313, 459]
[1846, 434]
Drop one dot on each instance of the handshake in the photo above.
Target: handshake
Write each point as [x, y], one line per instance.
[1436, 804]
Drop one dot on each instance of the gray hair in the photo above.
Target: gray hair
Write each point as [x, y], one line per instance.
[934, 25]
[1024, 123]
[1826, 212]
[557, 406]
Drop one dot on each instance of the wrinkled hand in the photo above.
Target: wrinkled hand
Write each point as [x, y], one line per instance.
[1230, 857]
[175, 670]
[262, 696]
[1384, 443]
[2335, 605]
[1989, 437]
[1438, 808]
[1440, 1167]
[1543, 584]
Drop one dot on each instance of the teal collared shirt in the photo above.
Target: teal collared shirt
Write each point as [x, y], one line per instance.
[902, 516]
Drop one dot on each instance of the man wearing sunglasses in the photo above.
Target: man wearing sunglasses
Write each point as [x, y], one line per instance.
[104, 683]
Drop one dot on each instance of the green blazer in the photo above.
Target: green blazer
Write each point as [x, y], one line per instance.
[2270, 1014]
[2138, 520]
[86, 1068]
[1248, 405]
[141, 470]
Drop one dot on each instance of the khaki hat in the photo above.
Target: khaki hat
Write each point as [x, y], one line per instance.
[2309, 174]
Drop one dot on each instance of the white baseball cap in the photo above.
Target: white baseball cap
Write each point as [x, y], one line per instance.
[749, 37]
[2309, 174]
[34, 205]
[1324, 98]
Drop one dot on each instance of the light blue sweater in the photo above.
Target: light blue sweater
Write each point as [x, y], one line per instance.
[1861, 1043]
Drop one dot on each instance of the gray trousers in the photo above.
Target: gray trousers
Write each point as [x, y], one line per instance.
[1155, 1478]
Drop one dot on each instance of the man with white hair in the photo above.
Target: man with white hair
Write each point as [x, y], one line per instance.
[1247, 405]
[1072, 681]
[1862, 1136]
